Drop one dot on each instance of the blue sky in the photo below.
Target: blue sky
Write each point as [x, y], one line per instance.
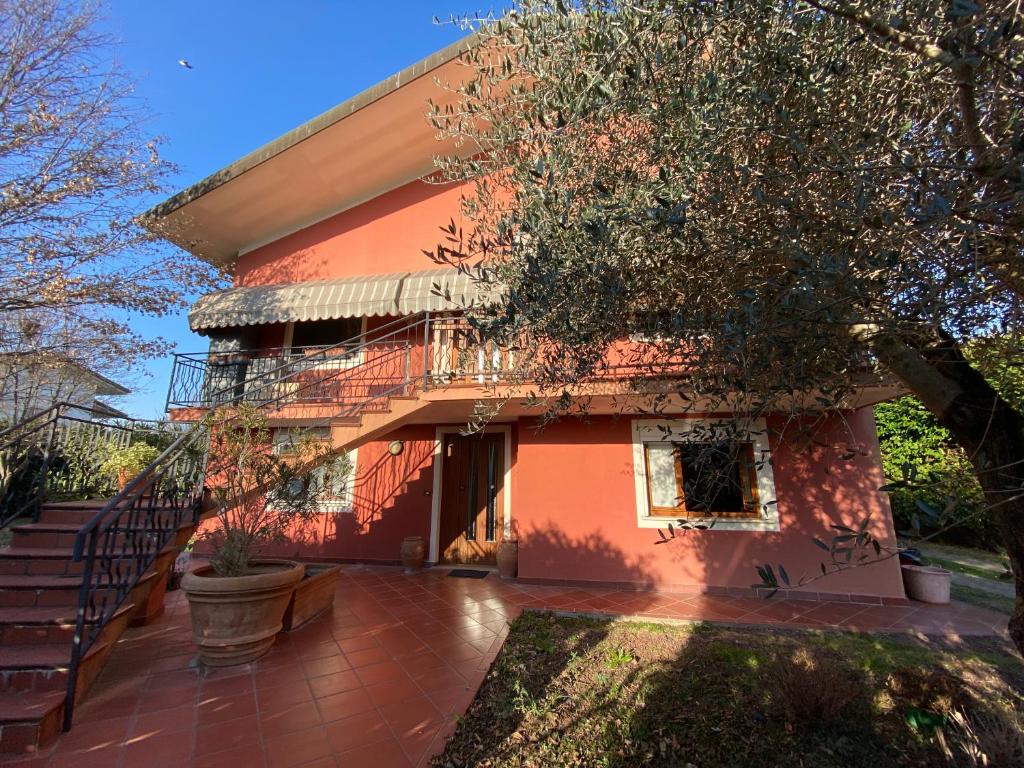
[259, 69]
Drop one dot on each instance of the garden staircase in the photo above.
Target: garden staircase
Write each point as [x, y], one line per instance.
[76, 573]
[40, 585]
[80, 572]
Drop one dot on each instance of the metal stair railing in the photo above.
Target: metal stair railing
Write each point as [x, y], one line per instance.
[58, 452]
[123, 539]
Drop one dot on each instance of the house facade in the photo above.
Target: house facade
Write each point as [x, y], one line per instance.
[337, 322]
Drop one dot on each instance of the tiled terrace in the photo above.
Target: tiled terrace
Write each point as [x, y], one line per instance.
[380, 679]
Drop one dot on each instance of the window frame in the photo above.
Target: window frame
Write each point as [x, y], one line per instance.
[696, 430]
[280, 440]
[294, 354]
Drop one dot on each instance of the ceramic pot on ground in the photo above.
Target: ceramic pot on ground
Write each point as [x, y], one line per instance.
[508, 558]
[413, 553]
[236, 618]
[927, 583]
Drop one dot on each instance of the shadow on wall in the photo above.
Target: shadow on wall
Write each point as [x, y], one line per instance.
[392, 500]
[827, 478]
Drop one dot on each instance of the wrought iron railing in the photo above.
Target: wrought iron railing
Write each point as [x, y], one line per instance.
[124, 539]
[58, 453]
[438, 350]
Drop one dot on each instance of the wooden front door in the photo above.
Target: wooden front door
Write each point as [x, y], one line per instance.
[472, 513]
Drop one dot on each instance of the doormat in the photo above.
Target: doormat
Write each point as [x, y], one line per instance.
[465, 573]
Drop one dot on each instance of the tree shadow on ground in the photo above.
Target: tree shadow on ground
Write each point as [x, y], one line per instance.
[589, 692]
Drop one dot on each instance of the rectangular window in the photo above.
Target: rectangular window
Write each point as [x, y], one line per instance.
[697, 480]
[306, 343]
[335, 479]
[325, 333]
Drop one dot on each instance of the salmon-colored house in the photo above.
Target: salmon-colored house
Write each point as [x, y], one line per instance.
[336, 323]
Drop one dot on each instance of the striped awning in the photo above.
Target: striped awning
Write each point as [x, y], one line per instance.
[403, 293]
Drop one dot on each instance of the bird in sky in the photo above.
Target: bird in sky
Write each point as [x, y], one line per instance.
[184, 63]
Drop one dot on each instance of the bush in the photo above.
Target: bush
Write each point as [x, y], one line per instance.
[912, 440]
[988, 738]
[813, 687]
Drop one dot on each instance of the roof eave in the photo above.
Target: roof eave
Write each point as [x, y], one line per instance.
[310, 128]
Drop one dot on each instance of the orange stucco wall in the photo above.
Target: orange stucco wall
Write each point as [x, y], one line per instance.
[386, 234]
[575, 514]
[574, 511]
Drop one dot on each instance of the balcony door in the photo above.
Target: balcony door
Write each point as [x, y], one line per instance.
[472, 513]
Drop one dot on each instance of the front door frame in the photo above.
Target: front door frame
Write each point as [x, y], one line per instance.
[435, 506]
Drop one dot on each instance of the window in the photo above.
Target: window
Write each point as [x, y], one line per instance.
[690, 469]
[701, 480]
[325, 333]
[304, 342]
[336, 479]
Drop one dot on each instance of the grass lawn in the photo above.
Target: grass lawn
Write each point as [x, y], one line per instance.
[585, 692]
[982, 598]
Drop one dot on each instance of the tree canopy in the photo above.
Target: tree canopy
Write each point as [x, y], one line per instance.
[781, 198]
[75, 166]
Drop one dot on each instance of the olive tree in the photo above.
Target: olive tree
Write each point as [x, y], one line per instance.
[786, 199]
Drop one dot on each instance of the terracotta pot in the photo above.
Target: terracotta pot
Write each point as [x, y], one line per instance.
[236, 618]
[313, 595]
[927, 583]
[508, 558]
[413, 553]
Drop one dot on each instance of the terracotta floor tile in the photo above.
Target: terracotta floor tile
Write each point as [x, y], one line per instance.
[327, 665]
[151, 701]
[336, 683]
[294, 692]
[410, 715]
[296, 717]
[362, 643]
[230, 734]
[357, 731]
[393, 692]
[162, 721]
[379, 673]
[297, 748]
[367, 656]
[387, 754]
[342, 705]
[215, 709]
[164, 751]
[250, 756]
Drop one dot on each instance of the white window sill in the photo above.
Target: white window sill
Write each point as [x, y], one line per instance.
[768, 525]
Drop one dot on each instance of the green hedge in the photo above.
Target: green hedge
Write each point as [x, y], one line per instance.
[910, 436]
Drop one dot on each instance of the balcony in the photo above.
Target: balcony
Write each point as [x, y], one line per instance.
[410, 354]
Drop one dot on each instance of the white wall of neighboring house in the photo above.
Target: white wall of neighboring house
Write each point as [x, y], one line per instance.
[25, 391]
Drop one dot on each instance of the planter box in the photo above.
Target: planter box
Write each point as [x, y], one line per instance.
[313, 595]
[927, 583]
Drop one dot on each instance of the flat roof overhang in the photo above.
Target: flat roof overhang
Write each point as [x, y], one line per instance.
[374, 142]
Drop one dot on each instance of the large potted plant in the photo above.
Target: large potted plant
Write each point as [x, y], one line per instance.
[259, 492]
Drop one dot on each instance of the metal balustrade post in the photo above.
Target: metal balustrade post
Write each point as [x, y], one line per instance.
[426, 351]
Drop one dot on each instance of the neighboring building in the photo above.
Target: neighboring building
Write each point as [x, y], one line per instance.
[29, 389]
[324, 230]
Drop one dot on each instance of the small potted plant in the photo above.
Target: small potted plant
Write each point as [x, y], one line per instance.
[124, 464]
[259, 491]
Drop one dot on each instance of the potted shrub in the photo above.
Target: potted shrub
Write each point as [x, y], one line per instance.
[259, 491]
[124, 464]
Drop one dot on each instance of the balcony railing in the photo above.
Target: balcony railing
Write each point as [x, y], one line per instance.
[430, 351]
